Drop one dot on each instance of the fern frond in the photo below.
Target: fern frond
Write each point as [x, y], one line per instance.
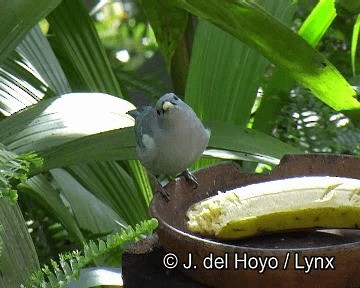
[71, 263]
[14, 167]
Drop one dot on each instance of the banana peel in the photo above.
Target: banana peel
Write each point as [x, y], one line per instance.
[286, 204]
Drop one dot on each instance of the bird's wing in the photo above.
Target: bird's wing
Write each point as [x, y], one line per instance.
[138, 111]
[142, 124]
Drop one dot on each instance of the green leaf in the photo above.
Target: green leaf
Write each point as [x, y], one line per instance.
[110, 183]
[231, 155]
[168, 23]
[138, 172]
[58, 120]
[39, 188]
[19, 87]
[80, 46]
[287, 50]
[17, 18]
[18, 259]
[231, 137]
[220, 88]
[37, 50]
[319, 20]
[115, 145]
[225, 74]
[354, 43]
[90, 212]
[276, 92]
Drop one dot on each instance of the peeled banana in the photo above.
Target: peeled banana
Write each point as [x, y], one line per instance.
[292, 203]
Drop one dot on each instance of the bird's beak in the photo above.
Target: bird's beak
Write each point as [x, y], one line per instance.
[167, 105]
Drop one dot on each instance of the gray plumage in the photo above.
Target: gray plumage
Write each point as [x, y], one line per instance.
[169, 136]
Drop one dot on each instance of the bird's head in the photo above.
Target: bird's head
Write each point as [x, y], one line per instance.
[167, 103]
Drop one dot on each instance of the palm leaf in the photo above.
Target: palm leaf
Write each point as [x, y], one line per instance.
[90, 212]
[80, 48]
[19, 87]
[276, 93]
[110, 183]
[57, 120]
[288, 50]
[225, 74]
[115, 145]
[36, 49]
[18, 259]
[232, 138]
[317, 23]
[12, 30]
[40, 189]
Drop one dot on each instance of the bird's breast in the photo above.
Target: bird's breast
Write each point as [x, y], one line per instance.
[179, 147]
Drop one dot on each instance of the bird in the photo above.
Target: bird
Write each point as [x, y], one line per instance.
[169, 138]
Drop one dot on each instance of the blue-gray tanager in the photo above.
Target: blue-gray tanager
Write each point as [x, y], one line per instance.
[169, 136]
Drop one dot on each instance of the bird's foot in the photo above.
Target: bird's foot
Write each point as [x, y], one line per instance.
[190, 177]
[161, 189]
[164, 193]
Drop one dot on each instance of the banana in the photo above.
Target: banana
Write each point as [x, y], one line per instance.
[286, 204]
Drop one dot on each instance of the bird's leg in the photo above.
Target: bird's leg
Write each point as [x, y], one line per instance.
[190, 177]
[160, 188]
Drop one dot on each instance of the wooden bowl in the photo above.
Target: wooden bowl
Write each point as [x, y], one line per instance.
[275, 260]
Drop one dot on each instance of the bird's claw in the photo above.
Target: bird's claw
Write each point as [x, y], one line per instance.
[190, 177]
[164, 193]
[161, 189]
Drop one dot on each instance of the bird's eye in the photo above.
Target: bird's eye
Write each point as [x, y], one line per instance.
[176, 98]
[158, 112]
